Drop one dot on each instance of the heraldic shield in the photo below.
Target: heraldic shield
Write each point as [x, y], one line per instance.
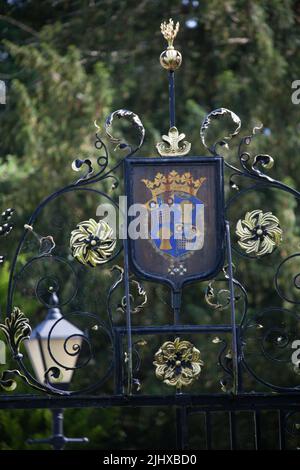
[176, 209]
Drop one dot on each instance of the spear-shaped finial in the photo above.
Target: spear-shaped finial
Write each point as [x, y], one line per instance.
[170, 59]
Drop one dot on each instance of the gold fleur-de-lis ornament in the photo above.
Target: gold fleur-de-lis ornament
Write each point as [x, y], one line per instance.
[173, 145]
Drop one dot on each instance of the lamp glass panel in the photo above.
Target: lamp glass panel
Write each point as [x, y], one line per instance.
[58, 351]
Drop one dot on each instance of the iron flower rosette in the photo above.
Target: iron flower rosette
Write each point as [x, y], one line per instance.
[92, 242]
[259, 232]
[178, 363]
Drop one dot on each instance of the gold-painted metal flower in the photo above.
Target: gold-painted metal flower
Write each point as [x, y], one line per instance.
[178, 363]
[92, 242]
[259, 232]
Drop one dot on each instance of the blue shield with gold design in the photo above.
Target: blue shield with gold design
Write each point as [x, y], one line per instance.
[173, 220]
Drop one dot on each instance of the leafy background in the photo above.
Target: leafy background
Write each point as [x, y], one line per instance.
[67, 63]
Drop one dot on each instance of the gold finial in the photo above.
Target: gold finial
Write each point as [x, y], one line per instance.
[169, 32]
[170, 59]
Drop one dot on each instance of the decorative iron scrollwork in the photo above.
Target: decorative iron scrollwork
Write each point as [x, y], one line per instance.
[138, 295]
[250, 166]
[47, 244]
[103, 172]
[133, 119]
[291, 292]
[77, 165]
[226, 364]
[216, 113]
[217, 299]
[177, 363]
[8, 384]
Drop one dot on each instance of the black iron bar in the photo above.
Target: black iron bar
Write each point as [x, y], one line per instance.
[257, 430]
[58, 439]
[128, 319]
[208, 430]
[232, 428]
[172, 97]
[181, 428]
[282, 428]
[176, 304]
[118, 369]
[150, 330]
[239, 353]
[201, 402]
[232, 309]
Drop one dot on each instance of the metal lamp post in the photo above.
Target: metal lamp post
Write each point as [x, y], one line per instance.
[42, 360]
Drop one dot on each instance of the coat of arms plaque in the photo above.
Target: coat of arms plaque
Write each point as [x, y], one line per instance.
[183, 235]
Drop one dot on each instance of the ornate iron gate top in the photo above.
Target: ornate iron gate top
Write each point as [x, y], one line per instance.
[60, 269]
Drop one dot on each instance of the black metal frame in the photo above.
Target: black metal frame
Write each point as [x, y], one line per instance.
[185, 404]
[286, 402]
[285, 406]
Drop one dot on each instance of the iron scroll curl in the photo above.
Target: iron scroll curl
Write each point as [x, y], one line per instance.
[84, 183]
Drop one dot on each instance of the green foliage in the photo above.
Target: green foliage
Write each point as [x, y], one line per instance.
[50, 110]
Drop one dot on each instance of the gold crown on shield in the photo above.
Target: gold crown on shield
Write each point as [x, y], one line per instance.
[174, 182]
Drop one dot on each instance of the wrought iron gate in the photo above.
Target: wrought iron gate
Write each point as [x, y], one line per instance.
[60, 264]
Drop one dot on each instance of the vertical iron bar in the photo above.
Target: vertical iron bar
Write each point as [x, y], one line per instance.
[181, 428]
[238, 348]
[172, 97]
[281, 423]
[232, 308]
[176, 305]
[128, 317]
[232, 427]
[58, 429]
[118, 354]
[257, 430]
[208, 430]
